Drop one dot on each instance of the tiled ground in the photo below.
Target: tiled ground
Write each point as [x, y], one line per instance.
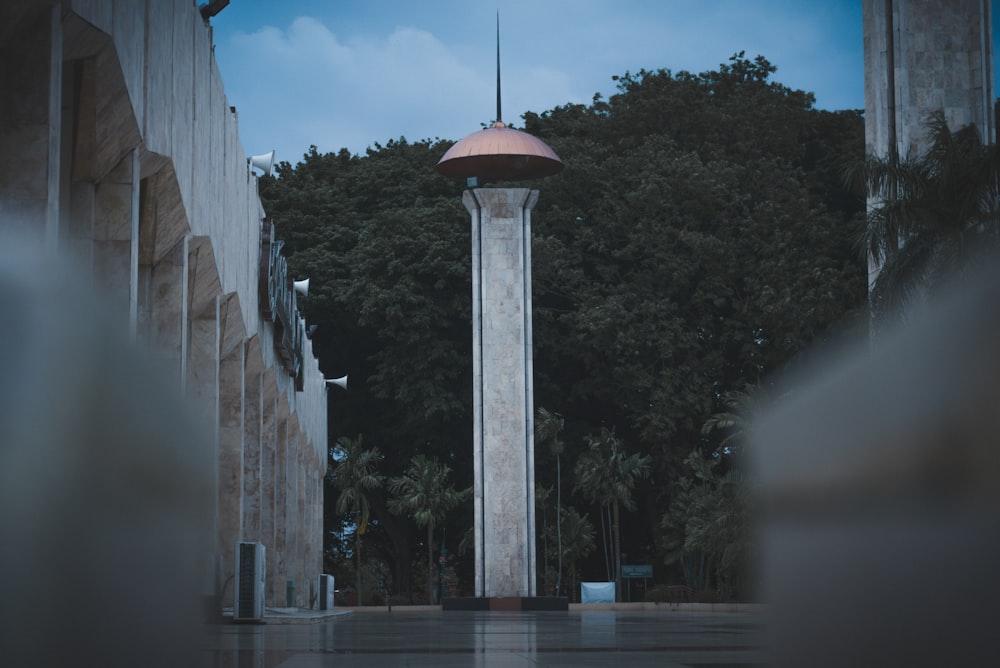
[666, 639]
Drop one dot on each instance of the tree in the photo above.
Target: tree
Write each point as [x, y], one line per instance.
[930, 215]
[707, 526]
[578, 542]
[741, 407]
[354, 474]
[607, 475]
[424, 493]
[698, 239]
[542, 495]
[547, 428]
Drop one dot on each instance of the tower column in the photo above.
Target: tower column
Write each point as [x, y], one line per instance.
[503, 438]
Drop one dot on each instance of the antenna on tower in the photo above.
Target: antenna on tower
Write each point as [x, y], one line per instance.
[499, 117]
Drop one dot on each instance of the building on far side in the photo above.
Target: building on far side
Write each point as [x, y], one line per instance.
[123, 172]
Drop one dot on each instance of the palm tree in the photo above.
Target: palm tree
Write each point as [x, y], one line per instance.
[929, 215]
[578, 541]
[607, 476]
[742, 406]
[423, 492]
[719, 525]
[354, 475]
[707, 525]
[547, 428]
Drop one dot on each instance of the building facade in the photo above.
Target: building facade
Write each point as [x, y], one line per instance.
[122, 160]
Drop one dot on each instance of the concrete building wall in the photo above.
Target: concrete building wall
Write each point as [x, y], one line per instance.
[122, 159]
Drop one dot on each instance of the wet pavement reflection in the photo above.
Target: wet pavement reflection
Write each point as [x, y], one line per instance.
[495, 640]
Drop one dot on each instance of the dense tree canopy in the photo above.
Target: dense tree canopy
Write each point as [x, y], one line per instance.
[699, 240]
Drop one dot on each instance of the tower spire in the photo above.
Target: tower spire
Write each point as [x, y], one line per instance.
[499, 153]
[499, 116]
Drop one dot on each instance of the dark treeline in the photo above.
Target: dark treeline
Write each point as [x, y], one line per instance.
[699, 241]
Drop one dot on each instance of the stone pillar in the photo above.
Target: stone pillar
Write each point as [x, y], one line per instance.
[231, 435]
[318, 517]
[202, 391]
[30, 114]
[253, 409]
[309, 561]
[56, 131]
[163, 307]
[503, 438]
[276, 560]
[76, 240]
[302, 544]
[292, 533]
[162, 266]
[316, 469]
[116, 237]
[268, 442]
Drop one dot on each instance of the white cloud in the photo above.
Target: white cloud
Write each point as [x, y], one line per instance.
[430, 73]
[305, 86]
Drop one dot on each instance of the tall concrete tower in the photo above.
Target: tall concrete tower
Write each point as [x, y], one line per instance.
[503, 434]
[922, 57]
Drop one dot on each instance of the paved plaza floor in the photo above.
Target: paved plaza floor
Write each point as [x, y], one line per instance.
[667, 639]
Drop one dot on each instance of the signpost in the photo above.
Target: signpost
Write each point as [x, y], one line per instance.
[636, 572]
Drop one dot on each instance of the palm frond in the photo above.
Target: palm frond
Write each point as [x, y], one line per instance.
[926, 211]
[424, 492]
[354, 474]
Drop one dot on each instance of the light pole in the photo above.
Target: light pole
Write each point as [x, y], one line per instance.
[441, 560]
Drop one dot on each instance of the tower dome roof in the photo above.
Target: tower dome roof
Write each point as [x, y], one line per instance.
[499, 153]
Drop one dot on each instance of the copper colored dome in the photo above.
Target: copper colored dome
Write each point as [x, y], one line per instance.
[499, 153]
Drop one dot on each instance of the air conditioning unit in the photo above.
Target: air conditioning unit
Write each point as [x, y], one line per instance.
[248, 601]
[326, 591]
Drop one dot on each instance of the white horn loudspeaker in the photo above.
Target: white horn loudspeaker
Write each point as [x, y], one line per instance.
[339, 382]
[301, 287]
[263, 162]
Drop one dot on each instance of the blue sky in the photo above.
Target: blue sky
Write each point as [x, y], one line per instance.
[350, 73]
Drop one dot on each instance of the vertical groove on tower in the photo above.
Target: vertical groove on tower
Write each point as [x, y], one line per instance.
[892, 95]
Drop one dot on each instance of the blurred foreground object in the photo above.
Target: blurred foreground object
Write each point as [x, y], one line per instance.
[105, 489]
[880, 504]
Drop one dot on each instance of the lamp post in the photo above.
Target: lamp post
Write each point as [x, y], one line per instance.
[441, 561]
